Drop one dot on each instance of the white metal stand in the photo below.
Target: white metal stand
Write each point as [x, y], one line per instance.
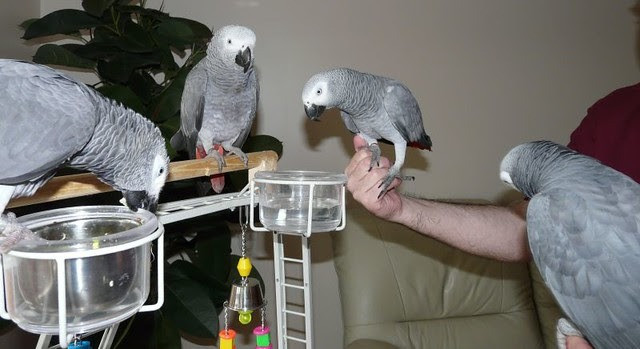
[167, 213]
[279, 261]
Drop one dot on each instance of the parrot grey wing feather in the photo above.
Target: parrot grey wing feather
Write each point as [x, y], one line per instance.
[50, 117]
[253, 88]
[192, 108]
[404, 112]
[589, 264]
[348, 122]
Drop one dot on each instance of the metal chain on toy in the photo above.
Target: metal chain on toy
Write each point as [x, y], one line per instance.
[243, 227]
[226, 320]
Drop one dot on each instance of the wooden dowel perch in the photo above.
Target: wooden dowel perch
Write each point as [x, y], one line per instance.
[65, 187]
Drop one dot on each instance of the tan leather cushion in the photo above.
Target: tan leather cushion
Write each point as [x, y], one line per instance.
[402, 288]
[548, 310]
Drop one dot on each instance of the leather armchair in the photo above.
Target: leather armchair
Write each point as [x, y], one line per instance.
[400, 289]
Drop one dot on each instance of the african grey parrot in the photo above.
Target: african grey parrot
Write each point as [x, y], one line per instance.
[583, 224]
[50, 120]
[220, 99]
[373, 107]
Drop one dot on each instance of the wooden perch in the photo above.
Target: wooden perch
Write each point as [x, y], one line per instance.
[65, 187]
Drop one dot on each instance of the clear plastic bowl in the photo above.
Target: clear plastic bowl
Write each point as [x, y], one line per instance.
[284, 200]
[100, 289]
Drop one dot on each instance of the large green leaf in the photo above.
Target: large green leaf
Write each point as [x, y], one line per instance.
[120, 67]
[105, 34]
[167, 104]
[96, 7]
[145, 13]
[135, 39]
[217, 289]
[188, 305]
[67, 21]
[181, 32]
[212, 252]
[25, 24]
[144, 85]
[124, 95]
[93, 50]
[167, 335]
[261, 143]
[238, 179]
[58, 55]
[167, 62]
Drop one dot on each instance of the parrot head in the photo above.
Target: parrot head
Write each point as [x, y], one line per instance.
[142, 166]
[154, 177]
[235, 44]
[317, 96]
[528, 166]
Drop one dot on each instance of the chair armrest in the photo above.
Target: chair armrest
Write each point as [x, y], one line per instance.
[369, 344]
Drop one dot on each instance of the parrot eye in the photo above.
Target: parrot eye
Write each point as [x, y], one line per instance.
[229, 41]
[161, 171]
[319, 91]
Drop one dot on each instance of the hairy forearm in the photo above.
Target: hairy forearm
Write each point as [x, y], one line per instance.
[486, 230]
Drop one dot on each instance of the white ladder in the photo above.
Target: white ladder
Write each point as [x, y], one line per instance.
[282, 284]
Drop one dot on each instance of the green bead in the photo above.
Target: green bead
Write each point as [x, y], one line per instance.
[244, 318]
[263, 340]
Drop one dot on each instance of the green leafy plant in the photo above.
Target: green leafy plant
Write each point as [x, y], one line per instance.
[132, 51]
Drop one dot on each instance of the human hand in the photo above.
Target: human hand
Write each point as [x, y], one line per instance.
[575, 342]
[364, 185]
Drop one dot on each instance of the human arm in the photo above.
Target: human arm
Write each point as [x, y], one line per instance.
[492, 231]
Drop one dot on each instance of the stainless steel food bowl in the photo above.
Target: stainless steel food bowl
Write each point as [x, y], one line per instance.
[106, 268]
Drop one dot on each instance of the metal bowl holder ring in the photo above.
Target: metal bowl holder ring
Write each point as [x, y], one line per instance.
[294, 216]
[73, 258]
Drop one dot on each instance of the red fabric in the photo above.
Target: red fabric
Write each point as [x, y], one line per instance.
[611, 131]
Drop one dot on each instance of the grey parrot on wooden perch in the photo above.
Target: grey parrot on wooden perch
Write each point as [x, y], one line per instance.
[220, 100]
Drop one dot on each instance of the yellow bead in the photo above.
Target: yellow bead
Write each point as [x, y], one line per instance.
[226, 339]
[244, 317]
[244, 266]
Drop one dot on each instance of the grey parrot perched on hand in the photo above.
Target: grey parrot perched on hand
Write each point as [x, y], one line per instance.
[49, 120]
[220, 99]
[583, 222]
[373, 107]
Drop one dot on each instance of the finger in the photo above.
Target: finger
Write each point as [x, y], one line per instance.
[384, 162]
[359, 143]
[358, 157]
[362, 180]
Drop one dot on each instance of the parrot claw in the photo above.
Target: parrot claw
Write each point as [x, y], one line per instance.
[375, 155]
[386, 182]
[240, 154]
[12, 232]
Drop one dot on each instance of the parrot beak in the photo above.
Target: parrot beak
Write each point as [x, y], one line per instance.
[243, 58]
[314, 111]
[140, 199]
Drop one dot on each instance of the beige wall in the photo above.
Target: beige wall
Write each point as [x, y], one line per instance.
[11, 15]
[488, 75]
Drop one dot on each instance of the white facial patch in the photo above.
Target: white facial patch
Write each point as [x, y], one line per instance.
[159, 173]
[506, 177]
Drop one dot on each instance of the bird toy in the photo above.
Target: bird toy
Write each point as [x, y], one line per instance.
[246, 297]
